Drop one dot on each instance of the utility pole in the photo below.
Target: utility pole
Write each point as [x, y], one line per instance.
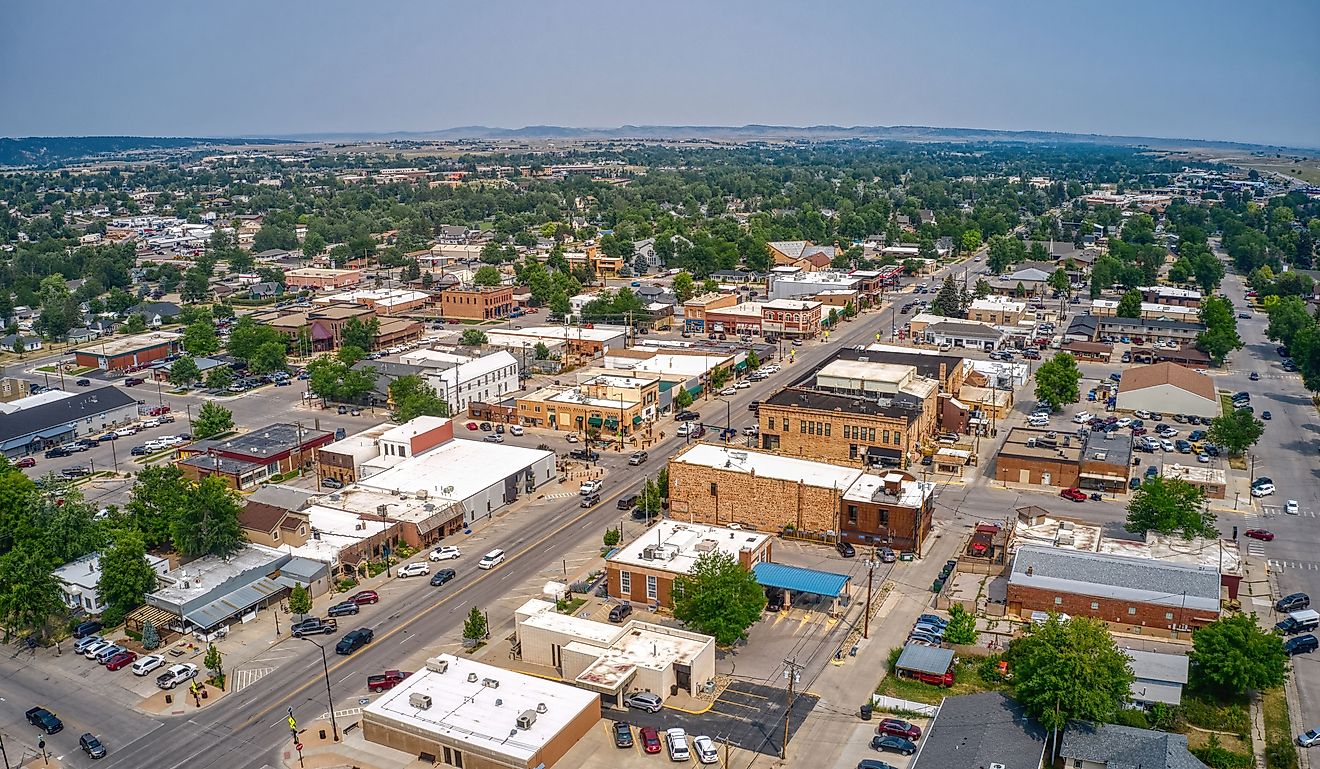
[793, 672]
[866, 613]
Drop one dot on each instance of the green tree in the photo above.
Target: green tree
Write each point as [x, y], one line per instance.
[684, 287]
[59, 307]
[1057, 381]
[1220, 336]
[1130, 305]
[184, 371]
[487, 275]
[649, 501]
[199, 338]
[718, 597]
[946, 301]
[982, 288]
[541, 351]
[1059, 281]
[413, 397]
[1169, 506]
[473, 337]
[208, 523]
[611, 537]
[1233, 655]
[753, 360]
[971, 240]
[313, 244]
[219, 377]
[474, 627]
[349, 354]
[150, 636]
[334, 379]
[683, 399]
[158, 498]
[247, 336]
[1067, 671]
[662, 482]
[268, 358]
[300, 601]
[1236, 431]
[212, 420]
[29, 592]
[1288, 317]
[359, 333]
[962, 626]
[719, 377]
[1004, 252]
[215, 663]
[134, 324]
[1305, 350]
[126, 577]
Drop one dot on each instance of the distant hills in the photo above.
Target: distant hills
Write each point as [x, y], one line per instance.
[45, 152]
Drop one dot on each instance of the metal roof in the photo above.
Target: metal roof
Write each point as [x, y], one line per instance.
[800, 580]
[1116, 576]
[235, 603]
[63, 412]
[925, 659]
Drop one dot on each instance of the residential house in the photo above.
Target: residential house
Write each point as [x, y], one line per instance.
[1109, 746]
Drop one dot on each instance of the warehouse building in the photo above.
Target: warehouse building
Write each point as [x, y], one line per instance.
[462, 713]
[128, 352]
[1167, 388]
[53, 421]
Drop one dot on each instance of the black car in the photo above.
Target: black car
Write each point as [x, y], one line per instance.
[442, 576]
[58, 452]
[343, 609]
[84, 382]
[893, 743]
[1293, 602]
[622, 735]
[627, 502]
[1302, 644]
[620, 612]
[354, 640]
[639, 514]
[845, 549]
[687, 416]
[774, 599]
[46, 721]
[86, 628]
[586, 455]
[342, 410]
[139, 451]
[91, 746]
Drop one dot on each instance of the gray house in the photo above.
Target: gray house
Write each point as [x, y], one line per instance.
[976, 731]
[1105, 746]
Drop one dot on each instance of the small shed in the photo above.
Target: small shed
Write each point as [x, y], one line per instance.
[917, 661]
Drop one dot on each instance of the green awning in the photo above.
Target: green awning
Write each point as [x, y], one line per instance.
[740, 365]
[594, 421]
[611, 423]
[637, 420]
[694, 390]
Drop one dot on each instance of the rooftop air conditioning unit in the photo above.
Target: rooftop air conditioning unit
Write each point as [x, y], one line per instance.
[490, 683]
[421, 493]
[419, 700]
[439, 666]
[648, 553]
[526, 719]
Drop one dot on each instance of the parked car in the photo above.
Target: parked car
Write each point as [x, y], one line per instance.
[704, 747]
[845, 549]
[91, 746]
[900, 728]
[1309, 738]
[648, 701]
[620, 612]
[894, 744]
[887, 555]
[45, 720]
[1293, 602]
[622, 731]
[444, 553]
[26, 462]
[87, 628]
[120, 660]
[364, 597]
[386, 681]
[1302, 644]
[628, 501]
[343, 609]
[1073, 493]
[145, 665]
[176, 674]
[314, 626]
[91, 650]
[1262, 489]
[354, 640]
[637, 457]
[418, 569]
[650, 739]
[678, 744]
[332, 483]
[442, 576]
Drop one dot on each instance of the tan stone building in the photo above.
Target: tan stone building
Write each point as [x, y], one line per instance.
[830, 427]
[611, 404]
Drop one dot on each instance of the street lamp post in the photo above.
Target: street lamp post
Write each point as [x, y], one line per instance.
[329, 699]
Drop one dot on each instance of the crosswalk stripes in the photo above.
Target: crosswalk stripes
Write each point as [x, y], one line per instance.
[1297, 565]
[245, 678]
[560, 495]
[345, 713]
[1255, 549]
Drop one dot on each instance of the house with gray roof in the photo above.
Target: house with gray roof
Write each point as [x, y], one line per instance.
[976, 731]
[1126, 591]
[1156, 677]
[1107, 746]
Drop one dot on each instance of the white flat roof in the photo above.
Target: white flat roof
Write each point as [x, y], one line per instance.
[361, 445]
[770, 466]
[465, 711]
[456, 469]
[681, 365]
[872, 371]
[790, 304]
[569, 333]
[125, 344]
[574, 395]
[910, 493]
[205, 573]
[383, 296]
[680, 545]
[421, 357]
[413, 428]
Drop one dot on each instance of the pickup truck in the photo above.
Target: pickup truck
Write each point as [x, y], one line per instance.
[315, 626]
[45, 720]
[387, 680]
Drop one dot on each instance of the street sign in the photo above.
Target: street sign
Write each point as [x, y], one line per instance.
[297, 746]
[293, 723]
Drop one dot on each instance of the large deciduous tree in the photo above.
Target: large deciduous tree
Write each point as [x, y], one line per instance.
[158, 497]
[1236, 431]
[1057, 381]
[212, 420]
[1220, 336]
[126, 577]
[1233, 654]
[413, 397]
[1069, 670]
[718, 597]
[1170, 506]
[208, 523]
[1130, 305]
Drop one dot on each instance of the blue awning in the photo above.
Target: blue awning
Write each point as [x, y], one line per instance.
[51, 432]
[14, 443]
[800, 580]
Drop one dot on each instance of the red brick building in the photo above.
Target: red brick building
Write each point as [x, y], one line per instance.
[476, 302]
[129, 352]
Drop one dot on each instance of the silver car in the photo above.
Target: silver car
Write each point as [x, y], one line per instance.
[84, 643]
[648, 701]
[91, 650]
[106, 652]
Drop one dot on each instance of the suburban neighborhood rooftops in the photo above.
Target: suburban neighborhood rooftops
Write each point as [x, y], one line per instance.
[1116, 576]
[764, 465]
[478, 704]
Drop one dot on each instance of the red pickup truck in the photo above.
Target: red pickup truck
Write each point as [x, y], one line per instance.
[387, 680]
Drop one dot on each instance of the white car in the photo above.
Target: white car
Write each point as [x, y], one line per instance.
[1309, 739]
[155, 444]
[678, 744]
[516, 430]
[1139, 414]
[176, 675]
[1203, 458]
[124, 432]
[1083, 417]
[1166, 445]
[414, 570]
[729, 391]
[704, 747]
[444, 553]
[1291, 507]
[150, 423]
[1124, 422]
[590, 487]
[743, 385]
[147, 664]
[1263, 490]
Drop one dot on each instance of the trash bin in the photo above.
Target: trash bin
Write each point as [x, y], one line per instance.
[937, 586]
[866, 711]
[673, 690]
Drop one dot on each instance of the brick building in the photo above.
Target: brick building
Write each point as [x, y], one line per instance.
[720, 485]
[890, 510]
[644, 570]
[476, 302]
[696, 309]
[1124, 591]
[1100, 461]
[246, 460]
[315, 278]
[129, 352]
[793, 318]
[830, 427]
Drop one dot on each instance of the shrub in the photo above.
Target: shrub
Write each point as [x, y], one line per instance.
[150, 637]
[1130, 717]
[346, 584]
[1216, 756]
[1281, 754]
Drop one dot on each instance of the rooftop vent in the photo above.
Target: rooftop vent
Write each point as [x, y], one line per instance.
[472, 678]
[419, 700]
[490, 683]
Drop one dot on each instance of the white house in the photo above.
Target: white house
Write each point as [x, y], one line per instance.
[78, 581]
[484, 380]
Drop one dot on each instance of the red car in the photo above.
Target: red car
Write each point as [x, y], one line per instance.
[120, 660]
[899, 728]
[650, 740]
[1074, 493]
[471, 425]
[1264, 535]
[26, 462]
[365, 597]
[387, 680]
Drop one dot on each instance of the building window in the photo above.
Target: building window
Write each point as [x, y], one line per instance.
[884, 517]
[852, 514]
[1168, 615]
[885, 437]
[802, 426]
[652, 588]
[625, 583]
[1058, 601]
[1132, 610]
[1095, 605]
[785, 424]
[714, 490]
[827, 429]
[871, 432]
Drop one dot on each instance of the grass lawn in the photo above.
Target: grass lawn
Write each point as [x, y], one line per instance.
[1277, 724]
[1209, 712]
[1200, 739]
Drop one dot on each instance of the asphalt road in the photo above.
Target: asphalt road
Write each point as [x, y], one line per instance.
[247, 729]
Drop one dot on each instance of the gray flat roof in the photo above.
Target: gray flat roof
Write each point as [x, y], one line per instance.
[1116, 576]
[925, 659]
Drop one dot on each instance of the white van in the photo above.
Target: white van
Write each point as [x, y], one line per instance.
[1083, 417]
[491, 560]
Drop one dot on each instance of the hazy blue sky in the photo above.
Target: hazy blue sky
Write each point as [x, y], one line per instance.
[1210, 69]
